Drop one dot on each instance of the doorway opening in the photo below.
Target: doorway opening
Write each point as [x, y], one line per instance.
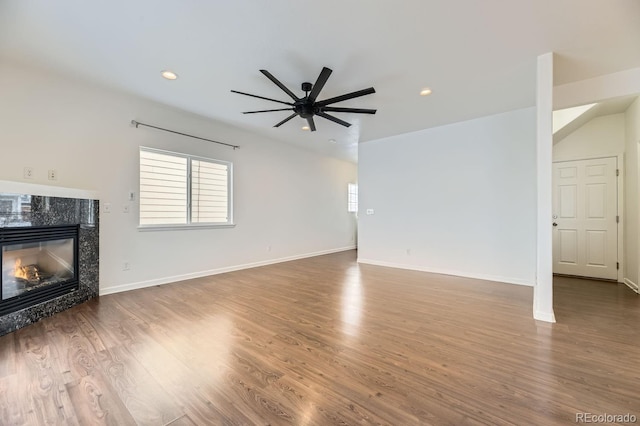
[595, 191]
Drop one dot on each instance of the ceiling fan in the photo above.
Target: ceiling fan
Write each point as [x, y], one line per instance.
[307, 107]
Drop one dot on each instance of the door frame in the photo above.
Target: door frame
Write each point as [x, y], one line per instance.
[620, 202]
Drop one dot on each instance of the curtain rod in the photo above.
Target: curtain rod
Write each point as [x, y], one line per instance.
[137, 123]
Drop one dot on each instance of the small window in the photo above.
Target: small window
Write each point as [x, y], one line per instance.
[352, 197]
[180, 189]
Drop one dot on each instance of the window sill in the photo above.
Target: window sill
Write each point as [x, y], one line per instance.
[145, 228]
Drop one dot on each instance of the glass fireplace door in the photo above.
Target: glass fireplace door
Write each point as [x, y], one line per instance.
[32, 265]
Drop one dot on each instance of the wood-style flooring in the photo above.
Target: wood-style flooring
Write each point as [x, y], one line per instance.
[326, 341]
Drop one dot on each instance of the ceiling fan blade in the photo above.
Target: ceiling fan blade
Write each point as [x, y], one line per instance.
[347, 96]
[332, 118]
[356, 110]
[312, 124]
[262, 97]
[279, 84]
[285, 120]
[320, 82]
[268, 110]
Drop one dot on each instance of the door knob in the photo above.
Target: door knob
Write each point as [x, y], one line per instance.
[555, 224]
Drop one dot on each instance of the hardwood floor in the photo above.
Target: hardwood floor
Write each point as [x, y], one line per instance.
[326, 341]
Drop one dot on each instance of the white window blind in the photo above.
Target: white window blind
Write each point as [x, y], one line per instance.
[163, 189]
[209, 192]
[352, 198]
[168, 197]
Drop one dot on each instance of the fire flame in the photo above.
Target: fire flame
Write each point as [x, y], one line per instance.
[20, 271]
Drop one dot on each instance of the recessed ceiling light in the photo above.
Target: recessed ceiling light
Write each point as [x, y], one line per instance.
[332, 141]
[305, 127]
[425, 92]
[169, 75]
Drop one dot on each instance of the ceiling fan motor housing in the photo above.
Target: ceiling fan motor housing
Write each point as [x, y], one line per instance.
[304, 108]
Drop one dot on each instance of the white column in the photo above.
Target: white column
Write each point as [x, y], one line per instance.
[543, 290]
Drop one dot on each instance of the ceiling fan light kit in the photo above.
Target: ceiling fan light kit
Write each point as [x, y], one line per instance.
[308, 106]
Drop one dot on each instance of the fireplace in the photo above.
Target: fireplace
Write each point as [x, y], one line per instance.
[38, 264]
[49, 251]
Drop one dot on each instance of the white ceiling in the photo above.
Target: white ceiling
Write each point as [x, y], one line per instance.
[479, 57]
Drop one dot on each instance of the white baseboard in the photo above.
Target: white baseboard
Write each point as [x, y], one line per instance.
[633, 286]
[544, 316]
[175, 278]
[484, 277]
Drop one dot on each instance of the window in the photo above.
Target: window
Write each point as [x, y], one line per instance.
[352, 198]
[180, 190]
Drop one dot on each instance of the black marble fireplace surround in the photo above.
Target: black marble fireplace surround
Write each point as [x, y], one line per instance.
[28, 211]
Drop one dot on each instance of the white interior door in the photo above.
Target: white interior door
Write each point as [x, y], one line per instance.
[585, 233]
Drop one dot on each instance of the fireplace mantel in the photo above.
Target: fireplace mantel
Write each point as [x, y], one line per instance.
[11, 187]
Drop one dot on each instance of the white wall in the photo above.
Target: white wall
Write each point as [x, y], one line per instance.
[285, 197]
[600, 137]
[543, 290]
[461, 198]
[632, 215]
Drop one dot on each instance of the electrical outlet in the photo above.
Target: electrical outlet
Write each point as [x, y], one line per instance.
[126, 266]
[28, 172]
[106, 207]
[268, 248]
[53, 174]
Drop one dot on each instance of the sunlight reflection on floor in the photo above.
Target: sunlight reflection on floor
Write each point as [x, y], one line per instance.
[352, 302]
